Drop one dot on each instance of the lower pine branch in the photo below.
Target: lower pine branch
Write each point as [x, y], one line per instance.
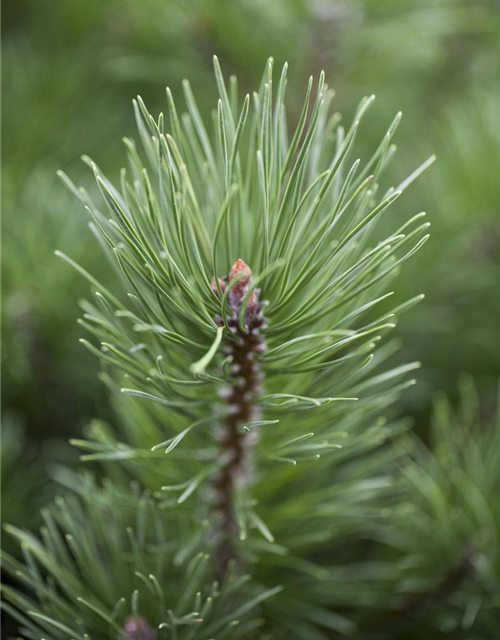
[418, 605]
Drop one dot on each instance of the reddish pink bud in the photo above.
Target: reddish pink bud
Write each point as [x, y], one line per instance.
[240, 267]
[242, 270]
[138, 629]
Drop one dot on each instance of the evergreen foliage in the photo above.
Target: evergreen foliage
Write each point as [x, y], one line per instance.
[257, 454]
[450, 584]
[81, 61]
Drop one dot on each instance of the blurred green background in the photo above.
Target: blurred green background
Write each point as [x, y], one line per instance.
[70, 71]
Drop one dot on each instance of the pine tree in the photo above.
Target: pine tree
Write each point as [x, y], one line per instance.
[257, 454]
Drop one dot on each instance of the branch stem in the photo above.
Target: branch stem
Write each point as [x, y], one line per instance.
[235, 445]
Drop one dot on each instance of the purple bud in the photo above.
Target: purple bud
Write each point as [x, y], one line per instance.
[138, 629]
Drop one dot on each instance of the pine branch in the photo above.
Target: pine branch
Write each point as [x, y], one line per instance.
[421, 604]
[235, 444]
[447, 585]
[271, 481]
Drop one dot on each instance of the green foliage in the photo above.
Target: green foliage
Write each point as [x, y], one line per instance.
[110, 553]
[463, 261]
[451, 583]
[39, 373]
[23, 485]
[360, 567]
[447, 587]
[304, 216]
[436, 60]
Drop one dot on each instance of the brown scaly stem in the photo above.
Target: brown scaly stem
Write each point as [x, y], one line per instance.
[234, 444]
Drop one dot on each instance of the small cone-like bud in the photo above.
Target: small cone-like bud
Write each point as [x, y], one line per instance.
[240, 267]
[137, 629]
[242, 270]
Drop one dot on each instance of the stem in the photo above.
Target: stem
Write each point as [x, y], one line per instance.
[234, 444]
